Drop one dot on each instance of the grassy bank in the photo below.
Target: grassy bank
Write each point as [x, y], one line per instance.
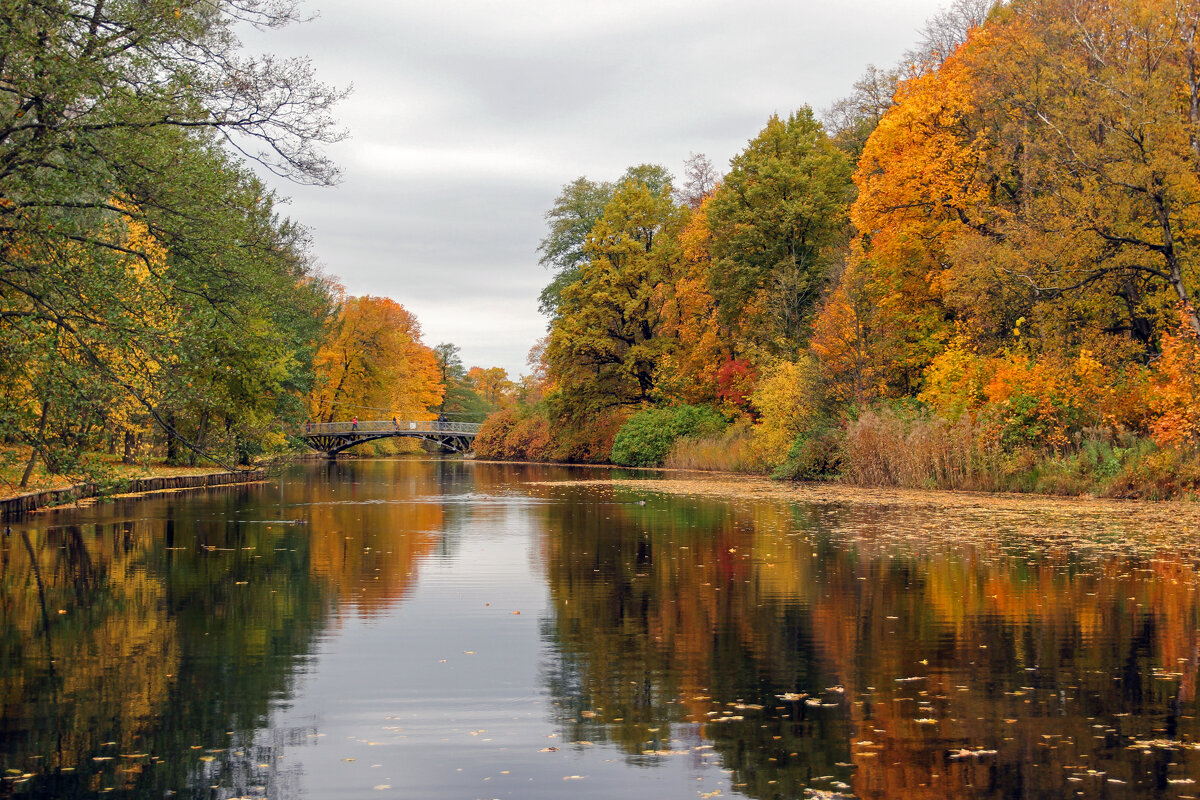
[102, 468]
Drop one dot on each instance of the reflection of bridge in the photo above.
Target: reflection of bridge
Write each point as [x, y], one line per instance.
[331, 438]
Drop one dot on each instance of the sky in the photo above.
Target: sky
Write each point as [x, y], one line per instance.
[468, 116]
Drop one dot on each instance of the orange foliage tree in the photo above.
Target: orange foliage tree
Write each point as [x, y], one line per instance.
[492, 384]
[689, 372]
[373, 362]
[887, 317]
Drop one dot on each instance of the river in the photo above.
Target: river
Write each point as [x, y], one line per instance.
[428, 628]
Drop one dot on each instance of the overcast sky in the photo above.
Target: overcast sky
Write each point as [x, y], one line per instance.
[468, 116]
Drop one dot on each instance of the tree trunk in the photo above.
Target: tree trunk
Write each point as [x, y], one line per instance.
[172, 441]
[201, 440]
[37, 445]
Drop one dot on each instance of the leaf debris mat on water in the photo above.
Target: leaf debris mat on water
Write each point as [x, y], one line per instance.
[1118, 526]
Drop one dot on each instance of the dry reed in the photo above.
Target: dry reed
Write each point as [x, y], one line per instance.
[882, 449]
[730, 451]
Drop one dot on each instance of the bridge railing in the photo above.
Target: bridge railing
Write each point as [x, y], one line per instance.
[388, 426]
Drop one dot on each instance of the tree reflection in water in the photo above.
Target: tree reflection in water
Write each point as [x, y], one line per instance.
[883, 668]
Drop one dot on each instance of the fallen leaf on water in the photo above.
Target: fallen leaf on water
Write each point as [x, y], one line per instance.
[965, 753]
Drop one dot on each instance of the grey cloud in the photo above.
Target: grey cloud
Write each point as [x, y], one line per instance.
[468, 115]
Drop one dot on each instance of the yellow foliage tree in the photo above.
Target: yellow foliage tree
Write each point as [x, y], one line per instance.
[788, 400]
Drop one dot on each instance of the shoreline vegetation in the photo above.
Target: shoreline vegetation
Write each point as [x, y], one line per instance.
[977, 271]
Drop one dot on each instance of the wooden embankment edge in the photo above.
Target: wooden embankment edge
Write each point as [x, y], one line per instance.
[25, 503]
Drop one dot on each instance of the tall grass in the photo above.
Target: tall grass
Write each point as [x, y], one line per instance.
[883, 448]
[729, 451]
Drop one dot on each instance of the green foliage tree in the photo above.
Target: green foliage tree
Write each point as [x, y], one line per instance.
[778, 223]
[116, 126]
[460, 400]
[605, 344]
[575, 211]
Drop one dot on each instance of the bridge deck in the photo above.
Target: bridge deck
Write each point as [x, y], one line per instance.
[388, 427]
[330, 438]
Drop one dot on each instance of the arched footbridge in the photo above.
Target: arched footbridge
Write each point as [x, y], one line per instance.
[331, 438]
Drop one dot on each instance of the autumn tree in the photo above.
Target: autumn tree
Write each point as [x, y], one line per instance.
[605, 344]
[492, 385]
[374, 362]
[1102, 107]
[917, 182]
[778, 222]
[690, 370]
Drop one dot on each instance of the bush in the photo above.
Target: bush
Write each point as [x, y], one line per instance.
[816, 455]
[527, 433]
[789, 400]
[1155, 473]
[489, 442]
[647, 438]
[514, 434]
[586, 439]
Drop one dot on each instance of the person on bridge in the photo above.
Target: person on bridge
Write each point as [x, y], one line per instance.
[354, 423]
[395, 422]
[308, 427]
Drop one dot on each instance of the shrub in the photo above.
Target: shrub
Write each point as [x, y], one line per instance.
[647, 437]
[514, 434]
[817, 454]
[789, 400]
[529, 434]
[489, 442]
[586, 439]
[1155, 473]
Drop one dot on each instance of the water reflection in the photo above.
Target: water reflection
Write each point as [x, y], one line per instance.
[815, 652]
[204, 645]
[136, 656]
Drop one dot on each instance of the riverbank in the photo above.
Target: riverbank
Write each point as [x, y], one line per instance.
[143, 480]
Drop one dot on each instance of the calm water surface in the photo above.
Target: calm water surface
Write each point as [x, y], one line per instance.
[441, 629]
